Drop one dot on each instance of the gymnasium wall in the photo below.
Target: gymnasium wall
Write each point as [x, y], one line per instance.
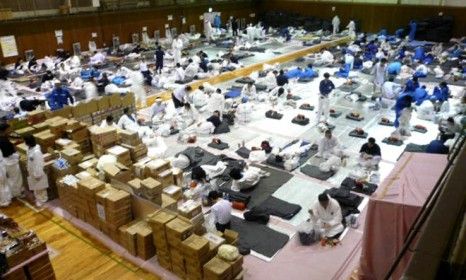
[39, 34]
[372, 16]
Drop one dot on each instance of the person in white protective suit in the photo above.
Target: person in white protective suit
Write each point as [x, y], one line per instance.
[351, 29]
[156, 147]
[208, 30]
[379, 71]
[192, 70]
[90, 89]
[5, 193]
[200, 98]
[128, 121]
[249, 91]
[187, 117]
[136, 79]
[108, 122]
[177, 47]
[326, 215]
[14, 179]
[329, 145]
[158, 111]
[324, 58]
[246, 178]
[336, 24]
[37, 179]
[216, 102]
[390, 92]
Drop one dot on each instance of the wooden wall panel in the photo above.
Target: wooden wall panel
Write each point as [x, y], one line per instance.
[373, 17]
[38, 34]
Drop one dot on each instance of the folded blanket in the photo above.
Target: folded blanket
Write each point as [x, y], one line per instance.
[350, 184]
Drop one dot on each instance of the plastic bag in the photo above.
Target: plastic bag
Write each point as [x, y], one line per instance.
[228, 252]
[308, 234]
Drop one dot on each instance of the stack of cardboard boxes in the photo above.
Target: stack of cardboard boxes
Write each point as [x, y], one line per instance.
[152, 190]
[133, 143]
[196, 253]
[113, 210]
[122, 154]
[158, 222]
[102, 139]
[178, 230]
[137, 238]
[192, 211]
[78, 132]
[87, 202]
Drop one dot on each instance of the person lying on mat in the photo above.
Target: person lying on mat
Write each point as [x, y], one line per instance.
[247, 178]
[370, 155]
[326, 214]
[221, 211]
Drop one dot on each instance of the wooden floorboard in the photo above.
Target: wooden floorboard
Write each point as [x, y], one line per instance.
[75, 254]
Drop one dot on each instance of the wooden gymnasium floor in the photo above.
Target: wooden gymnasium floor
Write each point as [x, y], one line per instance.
[74, 253]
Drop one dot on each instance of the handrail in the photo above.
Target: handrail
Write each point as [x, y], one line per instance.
[428, 206]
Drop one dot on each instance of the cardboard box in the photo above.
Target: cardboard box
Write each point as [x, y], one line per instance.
[190, 209]
[217, 269]
[135, 186]
[36, 116]
[178, 230]
[117, 171]
[79, 135]
[166, 178]
[73, 156]
[40, 126]
[152, 189]
[174, 192]
[25, 131]
[231, 237]
[91, 186]
[122, 154]
[115, 100]
[214, 243]
[195, 247]
[57, 125]
[157, 166]
[177, 176]
[236, 265]
[103, 136]
[103, 103]
[90, 163]
[168, 203]
[128, 100]
[129, 137]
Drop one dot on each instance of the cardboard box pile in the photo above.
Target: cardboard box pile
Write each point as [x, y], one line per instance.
[78, 132]
[117, 171]
[36, 116]
[192, 211]
[129, 138]
[158, 222]
[137, 238]
[113, 210]
[72, 156]
[57, 125]
[87, 206]
[102, 139]
[178, 230]
[122, 154]
[45, 139]
[177, 176]
[168, 203]
[68, 194]
[166, 178]
[196, 253]
[174, 192]
[154, 167]
[136, 152]
[152, 190]
[218, 269]
[136, 187]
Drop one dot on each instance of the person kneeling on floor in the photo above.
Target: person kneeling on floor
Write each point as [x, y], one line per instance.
[221, 211]
[326, 215]
[247, 178]
[370, 155]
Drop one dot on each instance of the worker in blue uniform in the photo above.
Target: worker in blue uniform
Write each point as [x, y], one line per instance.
[59, 97]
